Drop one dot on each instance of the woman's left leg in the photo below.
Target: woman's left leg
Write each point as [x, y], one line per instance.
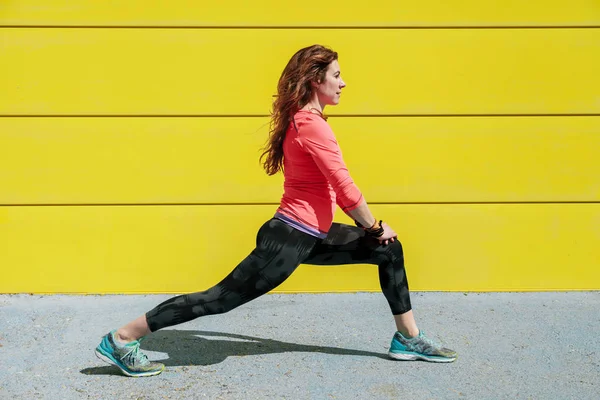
[346, 244]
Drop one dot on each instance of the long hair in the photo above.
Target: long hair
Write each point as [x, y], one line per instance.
[294, 91]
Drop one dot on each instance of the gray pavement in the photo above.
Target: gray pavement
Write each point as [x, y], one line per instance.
[309, 346]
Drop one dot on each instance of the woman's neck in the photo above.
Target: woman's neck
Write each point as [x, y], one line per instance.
[313, 108]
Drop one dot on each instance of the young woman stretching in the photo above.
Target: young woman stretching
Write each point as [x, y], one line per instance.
[304, 148]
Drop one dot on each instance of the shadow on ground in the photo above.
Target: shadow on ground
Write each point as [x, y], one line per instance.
[186, 348]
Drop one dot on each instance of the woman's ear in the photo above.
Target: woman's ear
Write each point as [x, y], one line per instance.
[315, 84]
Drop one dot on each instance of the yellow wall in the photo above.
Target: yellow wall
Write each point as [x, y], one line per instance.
[126, 131]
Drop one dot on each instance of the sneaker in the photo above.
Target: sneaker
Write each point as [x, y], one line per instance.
[419, 348]
[130, 360]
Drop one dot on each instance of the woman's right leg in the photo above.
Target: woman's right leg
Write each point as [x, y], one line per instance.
[279, 250]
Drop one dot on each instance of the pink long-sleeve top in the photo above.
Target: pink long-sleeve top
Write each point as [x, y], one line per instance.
[315, 176]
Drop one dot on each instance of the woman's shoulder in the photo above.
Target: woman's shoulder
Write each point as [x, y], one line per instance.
[311, 121]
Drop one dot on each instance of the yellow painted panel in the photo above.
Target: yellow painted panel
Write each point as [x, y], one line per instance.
[215, 160]
[134, 160]
[480, 159]
[477, 247]
[234, 72]
[278, 13]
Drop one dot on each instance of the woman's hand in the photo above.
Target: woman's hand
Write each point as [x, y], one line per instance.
[389, 236]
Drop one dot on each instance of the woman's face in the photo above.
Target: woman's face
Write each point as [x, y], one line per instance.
[330, 89]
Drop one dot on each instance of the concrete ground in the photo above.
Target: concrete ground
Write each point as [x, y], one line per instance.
[310, 346]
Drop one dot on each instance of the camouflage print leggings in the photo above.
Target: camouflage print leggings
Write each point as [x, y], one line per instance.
[279, 250]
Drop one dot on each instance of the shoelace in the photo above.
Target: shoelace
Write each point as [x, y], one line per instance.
[430, 342]
[134, 353]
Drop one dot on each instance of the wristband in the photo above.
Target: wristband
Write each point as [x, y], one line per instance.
[375, 231]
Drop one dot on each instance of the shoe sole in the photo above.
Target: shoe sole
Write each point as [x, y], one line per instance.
[415, 356]
[108, 360]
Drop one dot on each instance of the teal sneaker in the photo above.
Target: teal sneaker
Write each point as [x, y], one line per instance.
[419, 348]
[130, 360]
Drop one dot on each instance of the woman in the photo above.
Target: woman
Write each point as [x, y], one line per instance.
[304, 148]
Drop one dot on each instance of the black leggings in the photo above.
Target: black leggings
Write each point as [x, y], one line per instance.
[279, 250]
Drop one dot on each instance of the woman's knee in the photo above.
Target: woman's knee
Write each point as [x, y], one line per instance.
[393, 252]
[396, 245]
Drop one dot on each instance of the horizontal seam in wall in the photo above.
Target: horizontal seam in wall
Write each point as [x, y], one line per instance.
[276, 204]
[291, 27]
[267, 115]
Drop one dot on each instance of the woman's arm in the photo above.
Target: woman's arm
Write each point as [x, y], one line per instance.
[363, 215]
[318, 139]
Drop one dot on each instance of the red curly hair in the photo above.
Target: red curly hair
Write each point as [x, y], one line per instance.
[294, 91]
